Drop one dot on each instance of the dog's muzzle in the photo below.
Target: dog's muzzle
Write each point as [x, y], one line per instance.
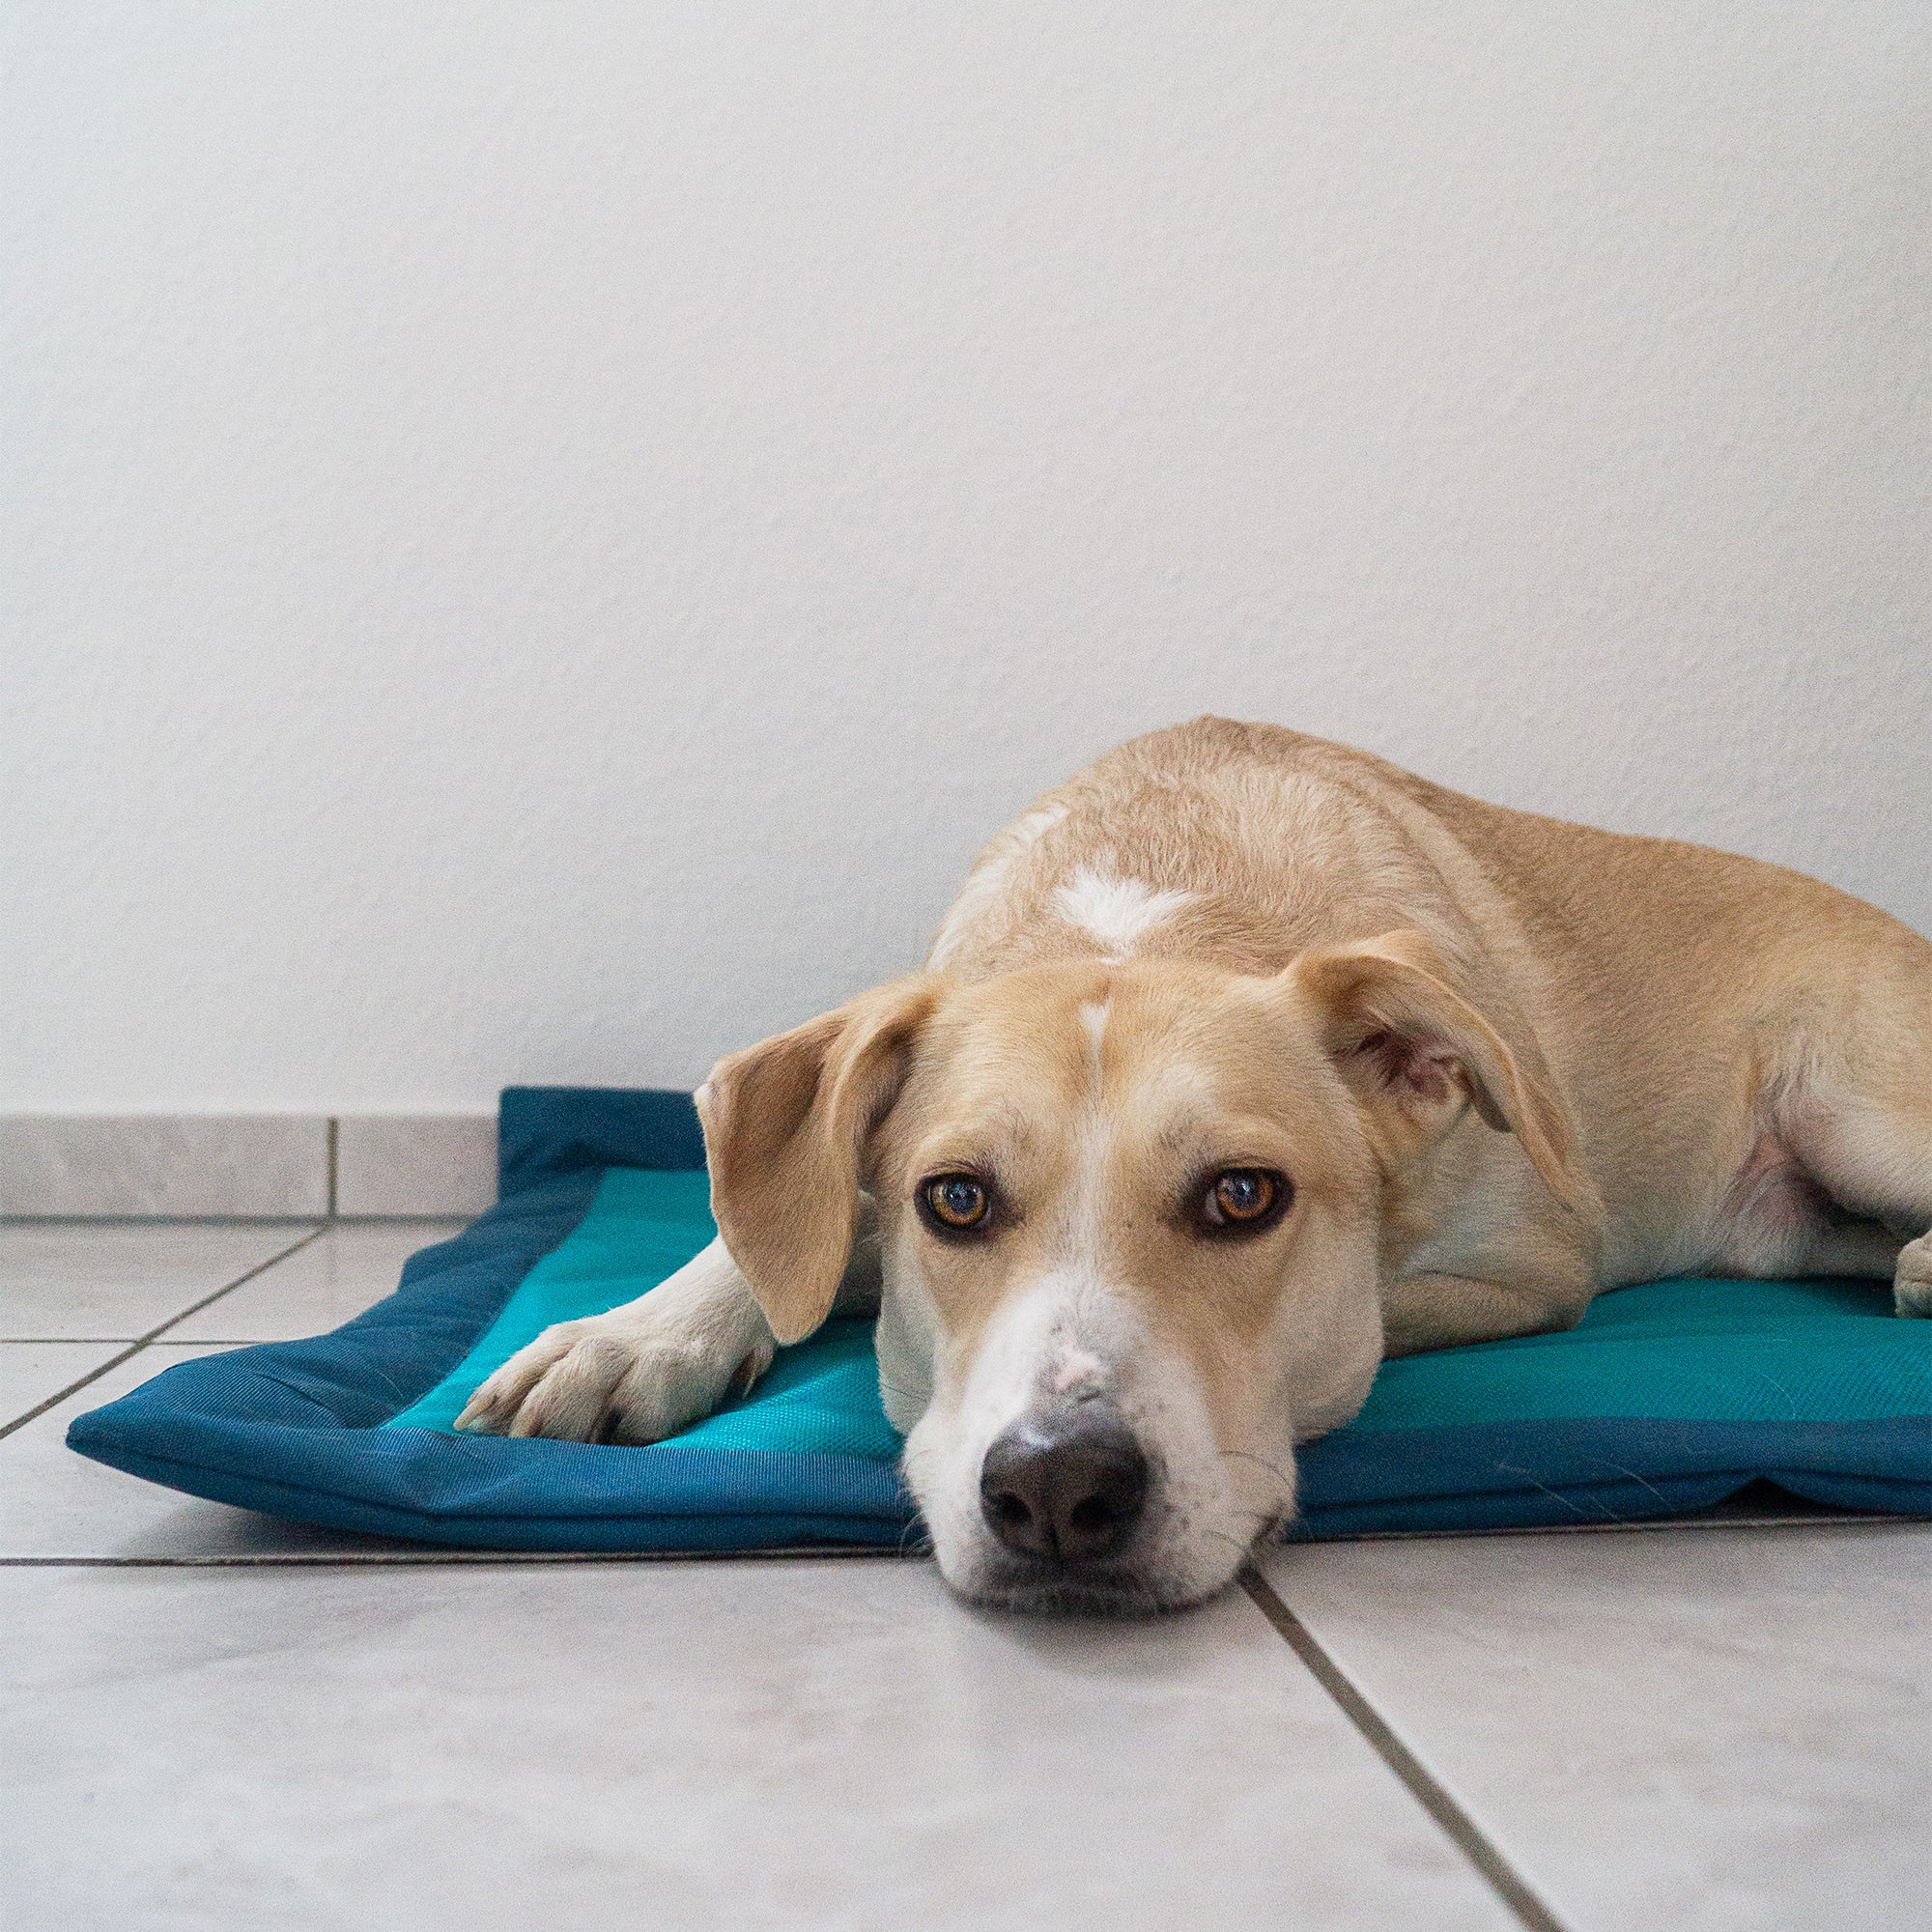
[1064, 1487]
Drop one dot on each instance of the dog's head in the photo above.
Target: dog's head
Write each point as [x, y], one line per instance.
[1128, 1218]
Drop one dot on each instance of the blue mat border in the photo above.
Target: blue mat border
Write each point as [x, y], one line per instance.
[215, 1426]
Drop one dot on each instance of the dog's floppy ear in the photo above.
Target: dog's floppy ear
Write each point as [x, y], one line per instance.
[785, 1129]
[1415, 1053]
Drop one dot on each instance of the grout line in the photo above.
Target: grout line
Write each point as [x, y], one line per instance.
[446, 1558]
[1795, 1518]
[140, 1342]
[1456, 1824]
[334, 1149]
[145, 1342]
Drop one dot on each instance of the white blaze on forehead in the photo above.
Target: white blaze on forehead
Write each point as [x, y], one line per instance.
[1084, 1204]
[1094, 1017]
[1117, 911]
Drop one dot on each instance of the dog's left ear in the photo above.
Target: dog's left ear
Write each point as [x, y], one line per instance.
[785, 1124]
[1416, 1052]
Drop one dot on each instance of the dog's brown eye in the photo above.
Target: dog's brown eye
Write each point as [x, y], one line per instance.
[957, 1203]
[1243, 1199]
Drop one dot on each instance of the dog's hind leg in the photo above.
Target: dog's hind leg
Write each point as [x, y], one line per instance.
[1444, 1311]
[1860, 1118]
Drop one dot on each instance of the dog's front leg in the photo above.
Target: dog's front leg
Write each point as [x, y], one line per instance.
[638, 1373]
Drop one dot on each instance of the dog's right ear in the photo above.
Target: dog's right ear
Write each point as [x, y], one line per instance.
[785, 1124]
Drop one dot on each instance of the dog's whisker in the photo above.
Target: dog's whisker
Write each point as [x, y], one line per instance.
[1280, 1474]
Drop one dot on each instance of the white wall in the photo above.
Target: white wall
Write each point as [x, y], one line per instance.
[543, 537]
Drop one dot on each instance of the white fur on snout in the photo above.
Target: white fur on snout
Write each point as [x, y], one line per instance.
[1072, 1331]
[1079, 1370]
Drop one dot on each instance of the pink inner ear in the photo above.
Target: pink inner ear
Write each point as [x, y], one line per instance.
[1410, 1065]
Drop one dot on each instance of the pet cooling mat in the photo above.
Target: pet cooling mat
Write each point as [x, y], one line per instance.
[1670, 1397]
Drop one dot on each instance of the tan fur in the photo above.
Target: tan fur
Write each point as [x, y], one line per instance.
[1506, 1063]
[1687, 1001]
[783, 1127]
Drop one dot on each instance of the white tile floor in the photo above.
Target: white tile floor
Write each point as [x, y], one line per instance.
[209, 1719]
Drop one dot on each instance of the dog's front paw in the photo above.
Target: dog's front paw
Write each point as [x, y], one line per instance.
[1912, 1285]
[618, 1377]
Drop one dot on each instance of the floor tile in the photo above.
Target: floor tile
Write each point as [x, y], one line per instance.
[32, 1371]
[318, 1288]
[1719, 1731]
[800, 1746]
[116, 1280]
[56, 1504]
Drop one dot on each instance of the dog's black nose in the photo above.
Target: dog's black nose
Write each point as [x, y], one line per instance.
[1070, 1487]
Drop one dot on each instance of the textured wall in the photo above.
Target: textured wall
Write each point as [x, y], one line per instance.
[543, 537]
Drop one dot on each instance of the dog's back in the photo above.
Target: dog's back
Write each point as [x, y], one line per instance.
[1703, 1013]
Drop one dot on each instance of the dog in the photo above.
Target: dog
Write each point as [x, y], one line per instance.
[1241, 1061]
